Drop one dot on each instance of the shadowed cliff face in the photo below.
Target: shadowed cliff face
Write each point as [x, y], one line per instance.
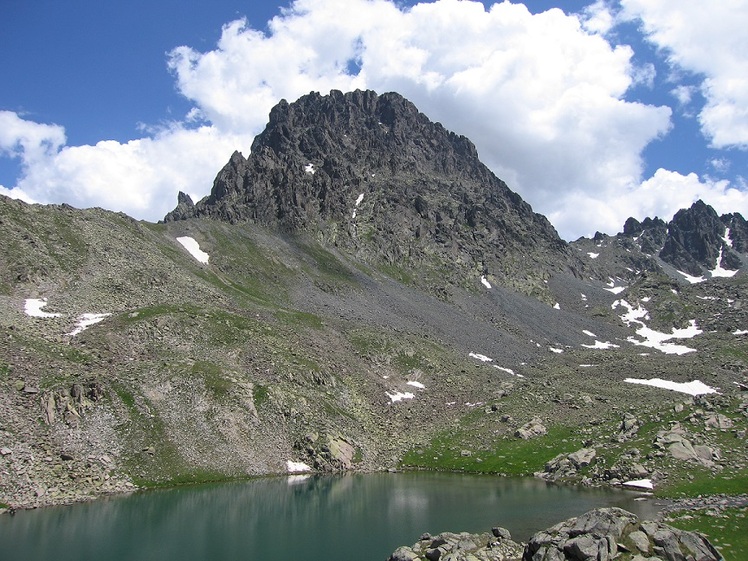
[371, 175]
[698, 238]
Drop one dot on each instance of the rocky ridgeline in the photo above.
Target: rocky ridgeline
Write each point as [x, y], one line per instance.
[372, 175]
[696, 241]
[598, 535]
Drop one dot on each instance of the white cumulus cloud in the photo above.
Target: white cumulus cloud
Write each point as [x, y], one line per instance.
[709, 39]
[140, 177]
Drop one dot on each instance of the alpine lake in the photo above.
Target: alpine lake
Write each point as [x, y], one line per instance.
[314, 518]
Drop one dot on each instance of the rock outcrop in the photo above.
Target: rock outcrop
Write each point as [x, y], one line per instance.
[607, 533]
[496, 545]
[534, 427]
[599, 535]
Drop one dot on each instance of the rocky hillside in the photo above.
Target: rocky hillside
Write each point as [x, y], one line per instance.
[360, 292]
[372, 176]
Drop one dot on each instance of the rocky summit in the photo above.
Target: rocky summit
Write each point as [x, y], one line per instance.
[371, 175]
[361, 293]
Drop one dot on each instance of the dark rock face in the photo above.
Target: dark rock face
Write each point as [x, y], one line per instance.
[370, 175]
[651, 233]
[183, 210]
[738, 228]
[694, 239]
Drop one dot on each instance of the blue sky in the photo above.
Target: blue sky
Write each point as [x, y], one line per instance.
[593, 113]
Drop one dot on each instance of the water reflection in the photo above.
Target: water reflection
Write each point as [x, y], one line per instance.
[310, 517]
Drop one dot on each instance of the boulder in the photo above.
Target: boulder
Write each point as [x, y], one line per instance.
[718, 421]
[583, 457]
[565, 466]
[681, 448]
[403, 554]
[629, 425]
[531, 429]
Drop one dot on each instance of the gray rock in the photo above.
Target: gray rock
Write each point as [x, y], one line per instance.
[433, 554]
[596, 535]
[583, 457]
[403, 554]
[698, 546]
[667, 541]
[586, 547]
[640, 541]
[603, 521]
[531, 429]
[501, 533]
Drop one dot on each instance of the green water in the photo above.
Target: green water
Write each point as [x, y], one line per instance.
[319, 518]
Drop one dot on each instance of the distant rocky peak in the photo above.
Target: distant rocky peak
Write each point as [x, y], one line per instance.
[650, 233]
[183, 210]
[696, 241]
[633, 227]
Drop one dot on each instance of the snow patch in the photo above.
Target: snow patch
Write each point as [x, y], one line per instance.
[191, 245]
[639, 483]
[691, 279]
[508, 371]
[726, 238]
[309, 168]
[418, 385]
[718, 271]
[616, 289]
[655, 339]
[358, 202]
[740, 332]
[593, 255]
[87, 320]
[555, 350]
[399, 396]
[556, 306]
[482, 358]
[602, 345]
[589, 333]
[485, 282]
[297, 467]
[33, 307]
[692, 388]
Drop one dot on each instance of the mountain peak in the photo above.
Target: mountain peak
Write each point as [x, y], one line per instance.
[371, 175]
